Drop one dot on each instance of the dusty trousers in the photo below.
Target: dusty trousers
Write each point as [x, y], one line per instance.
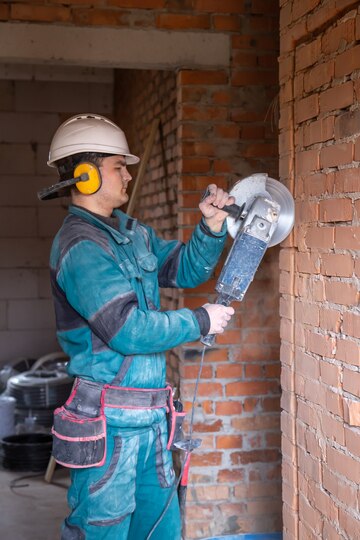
[122, 499]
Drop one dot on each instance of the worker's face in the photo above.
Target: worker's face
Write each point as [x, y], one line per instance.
[115, 178]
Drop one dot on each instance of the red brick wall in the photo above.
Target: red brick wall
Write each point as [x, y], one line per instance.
[319, 159]
[225, 129]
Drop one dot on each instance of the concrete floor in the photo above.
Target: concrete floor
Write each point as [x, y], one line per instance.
[35, 511]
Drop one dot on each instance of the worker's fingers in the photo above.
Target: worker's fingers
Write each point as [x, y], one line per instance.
[219, 316]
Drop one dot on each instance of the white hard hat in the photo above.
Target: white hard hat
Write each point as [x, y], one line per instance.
[89, 133]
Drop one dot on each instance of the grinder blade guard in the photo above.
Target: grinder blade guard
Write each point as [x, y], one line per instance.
[268, 218]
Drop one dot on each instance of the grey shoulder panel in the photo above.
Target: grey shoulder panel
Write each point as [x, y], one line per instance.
[76, 230]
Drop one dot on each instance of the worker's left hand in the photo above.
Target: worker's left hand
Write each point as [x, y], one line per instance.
[211, 207]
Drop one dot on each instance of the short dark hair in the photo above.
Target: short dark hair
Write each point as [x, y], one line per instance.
[66, 165]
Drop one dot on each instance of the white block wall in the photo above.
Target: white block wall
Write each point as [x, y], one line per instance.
[34, 100]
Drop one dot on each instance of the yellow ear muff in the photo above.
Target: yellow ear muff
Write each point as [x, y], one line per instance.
[93, 182]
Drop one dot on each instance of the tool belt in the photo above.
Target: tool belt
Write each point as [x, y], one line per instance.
[79, 429]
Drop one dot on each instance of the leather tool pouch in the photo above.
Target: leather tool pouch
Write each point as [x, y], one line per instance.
[175, 420]
[79, 430]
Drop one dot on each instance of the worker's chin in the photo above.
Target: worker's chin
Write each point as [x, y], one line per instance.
[123, 199]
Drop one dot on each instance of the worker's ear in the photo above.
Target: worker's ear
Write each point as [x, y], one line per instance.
[87, 178]
[93, 184]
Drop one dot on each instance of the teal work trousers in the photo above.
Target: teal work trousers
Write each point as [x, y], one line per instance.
[123, 499]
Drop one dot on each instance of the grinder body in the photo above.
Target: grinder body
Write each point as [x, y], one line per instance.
[254, 233]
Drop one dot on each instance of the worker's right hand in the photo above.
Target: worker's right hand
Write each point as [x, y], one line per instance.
[219, 317]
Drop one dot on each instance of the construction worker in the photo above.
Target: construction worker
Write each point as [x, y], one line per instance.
[106, 270]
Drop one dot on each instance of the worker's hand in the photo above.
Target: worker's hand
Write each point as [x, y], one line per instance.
[211, 207]
[219, 317]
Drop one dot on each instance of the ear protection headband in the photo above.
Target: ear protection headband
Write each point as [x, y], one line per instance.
[87, 179]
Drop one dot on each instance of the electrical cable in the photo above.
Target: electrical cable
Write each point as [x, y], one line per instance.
[186, 452]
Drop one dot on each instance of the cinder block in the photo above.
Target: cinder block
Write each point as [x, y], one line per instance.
[21, 190]
[13, 72]
[18, 222]
[50, 221]
[44, 286]
[24, 253]
[17, 127]
[31, 314]
[17, 283]
[26, 343]
[62, 97]
[3, 310]
[73, 74]
[6, 95]
[17, 159]
[42, 156]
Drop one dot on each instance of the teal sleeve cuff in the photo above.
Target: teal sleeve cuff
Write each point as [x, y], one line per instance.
[206, 229]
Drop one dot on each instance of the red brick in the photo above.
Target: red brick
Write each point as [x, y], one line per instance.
[336, 36]
[307, 211]
[229, 441]
[244, 59]
[307, 55]
[348, 351]
[351, 382]
[319, 131]
[337, 265]
[330, 374]
[196, 165]
[202, 113]
[347, 238]
[337, 97]
[188, 77]
[347, 62]
[134, 4]
[321, 16]
[220, 6]
[210, 459]
[330, 319]
[293, 35]
[4, 12]
[347, 124]
[101, 17]
[347, 180]
[336, 210]
[349, 524]
[351, 324]
[320, 344]
[318, 76]
[307, 161]
[31, 12]
[247, 388]
[182, 22]
[341, 293]
[318, 184]
[229, 371]
[227, 23]
[336, 154]
[320, 237]
[228, 408]
[307, 108]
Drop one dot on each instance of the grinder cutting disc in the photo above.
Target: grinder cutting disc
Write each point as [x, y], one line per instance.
[245, 192]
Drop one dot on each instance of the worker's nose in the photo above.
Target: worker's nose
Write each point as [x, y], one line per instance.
[127, 176]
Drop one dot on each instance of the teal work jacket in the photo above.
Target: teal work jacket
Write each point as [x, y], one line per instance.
[105, 283]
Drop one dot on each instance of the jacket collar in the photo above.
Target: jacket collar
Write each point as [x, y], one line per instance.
[126, 227]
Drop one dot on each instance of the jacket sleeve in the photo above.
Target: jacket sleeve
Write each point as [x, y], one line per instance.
[188, 265]
[105, 298]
